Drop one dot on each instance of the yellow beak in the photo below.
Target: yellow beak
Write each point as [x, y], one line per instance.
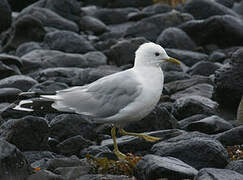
[173, 60]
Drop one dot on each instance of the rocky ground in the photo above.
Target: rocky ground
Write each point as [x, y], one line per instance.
[49, 45]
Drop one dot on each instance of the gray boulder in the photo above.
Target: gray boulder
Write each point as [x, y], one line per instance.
[5, 16]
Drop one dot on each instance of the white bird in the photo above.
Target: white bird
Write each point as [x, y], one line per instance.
[116, 99]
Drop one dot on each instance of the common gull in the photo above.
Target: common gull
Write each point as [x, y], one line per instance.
[117, 99]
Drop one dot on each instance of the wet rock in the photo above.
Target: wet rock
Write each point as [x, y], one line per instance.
[12, 162]
[174, 76]
[217, 57]
[24, 83]
[185, 122]
[238, 7]
[45, 174]
[160, 118]
[71, 11]
[227, 3]
[27, 47]
[196, 149]
[210, 125]
[204, 90]
[103, 177]
[9, 94]
[6, 71]
[152, 167]
[48, 86]
[17, 6]
[88, 23]
[41, 59]
[203, 68]
[231, 137]
[51, 19]
[180, 85]
[11, 60]
[33, 156]
[221, 28]
[191, 105]
[189, 58]
[67, 42]
[73, 145]
[175, 38]
[151, 27]
[94, 150]
[131, 144]
[217, 174]
[113, 16]
[68, 125]
[236, 165]
[123, 52]
[5, 17]
[72, 172]
[16, 35]
[202, 9]
[229, 82]
[75, 76]
[19, 131]
[157, 8]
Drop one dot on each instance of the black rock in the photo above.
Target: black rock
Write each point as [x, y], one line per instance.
[5, 16]
[191, 105]
[94, 150]
[10, 60]
[48, 86]
[174, 76]
[9, 94]
[157, 8]
[73, 172]
[27, 47]
[131, 144]
[175, 38]
[227, 3]
[88, 23]
[13, 164]
[21, 82]
[203, 68]
[68, 125]
[185, 122]
[204, 90]
[236, 165]
[73, 145]
[41, 59]
[231, 137]
[103, 177]
[51, 19]
[28, 133]
[217, 174]
[75, 76]
[6, 71]
[45, 174]
[113, 16]
[217, 57]
[16, 35]
[189, 58]
[67, 41]
[71, 11]
[33, 156]
[196, 149]
[225, 31]
[151, 27]
[210, 125]
[124, 51]
[180, 85]
[238, 7]
[18, 6]
[229, 82]
[152, 167]
[159, 119]
[202, 9]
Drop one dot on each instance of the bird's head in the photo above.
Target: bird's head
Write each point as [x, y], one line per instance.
[152, 54]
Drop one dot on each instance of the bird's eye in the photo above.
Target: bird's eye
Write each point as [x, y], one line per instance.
[156, 54]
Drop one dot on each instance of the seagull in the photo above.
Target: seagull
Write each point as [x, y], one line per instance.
[116, 99]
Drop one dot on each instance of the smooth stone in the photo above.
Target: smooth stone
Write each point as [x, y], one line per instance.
[185, 122]
[203, 68]
[103, 177]
[73, 172]
[9, 94]
[33, 156]
[27, 47]
[5, 15]
[45, 175]
[236, 165]
[175, 76]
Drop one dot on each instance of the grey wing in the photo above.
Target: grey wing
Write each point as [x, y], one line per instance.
[101, 99]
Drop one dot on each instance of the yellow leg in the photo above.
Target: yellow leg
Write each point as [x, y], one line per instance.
[145, 137]
[116, 150]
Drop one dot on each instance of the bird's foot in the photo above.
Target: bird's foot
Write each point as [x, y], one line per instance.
[119, 155]
[149, 138]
